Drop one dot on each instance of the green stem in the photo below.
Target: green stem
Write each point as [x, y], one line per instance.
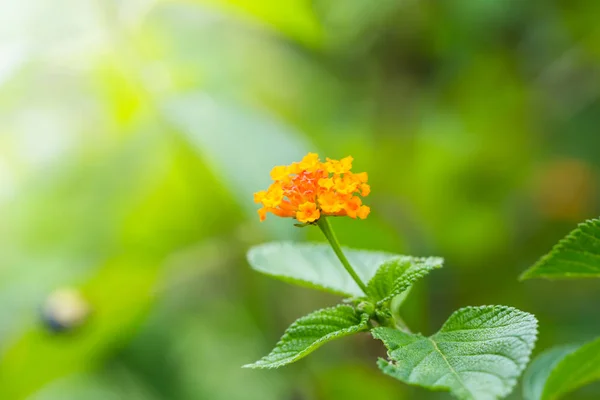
[330, 235]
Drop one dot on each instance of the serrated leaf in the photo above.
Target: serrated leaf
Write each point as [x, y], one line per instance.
[575, 256]
[310, 332]
[316, 266]
[478, 354]
[539, 370]
[397, 275]
[562, 370]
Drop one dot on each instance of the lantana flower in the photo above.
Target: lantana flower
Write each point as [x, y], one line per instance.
[311, 189]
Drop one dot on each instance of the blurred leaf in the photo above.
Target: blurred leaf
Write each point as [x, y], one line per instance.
[562, 370]
[123, 99]
[119, 296]
[539, 370]
[316, 265]
[174, 181]
[80, 386]
[575, 256]
[357, 24]
[14, 56]
[228, 340]
[478, 354]
[115, 384]
[312, 331]
[214, 128]
[96, 192]
[294, 18]
[349, 381]
[396, 276]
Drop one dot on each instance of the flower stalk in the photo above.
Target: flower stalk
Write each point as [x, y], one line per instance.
[325, 227]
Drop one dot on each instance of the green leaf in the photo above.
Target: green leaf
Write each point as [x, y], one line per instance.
[478, 354]
[539, 370]
[316, 266]
[397, 275]
[310, 332]
[575, 256]
[560, 371]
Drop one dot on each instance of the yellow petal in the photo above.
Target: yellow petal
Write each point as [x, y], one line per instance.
[279, 172]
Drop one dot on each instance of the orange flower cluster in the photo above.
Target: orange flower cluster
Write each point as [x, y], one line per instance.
[309, 189]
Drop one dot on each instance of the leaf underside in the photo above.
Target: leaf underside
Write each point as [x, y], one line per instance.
[566, 368]
[310, 332]
[397, 275]
[575, 256]
[539, 371]
[316, 265]
[478, 354]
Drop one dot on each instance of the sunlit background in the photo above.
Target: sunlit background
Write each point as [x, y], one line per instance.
[133, 134]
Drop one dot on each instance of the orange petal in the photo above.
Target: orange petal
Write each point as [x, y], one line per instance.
[262, 214]
[365, 189]
[363, 212]
[361, 177]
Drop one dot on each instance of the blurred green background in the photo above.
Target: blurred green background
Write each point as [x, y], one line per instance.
[133, 134]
